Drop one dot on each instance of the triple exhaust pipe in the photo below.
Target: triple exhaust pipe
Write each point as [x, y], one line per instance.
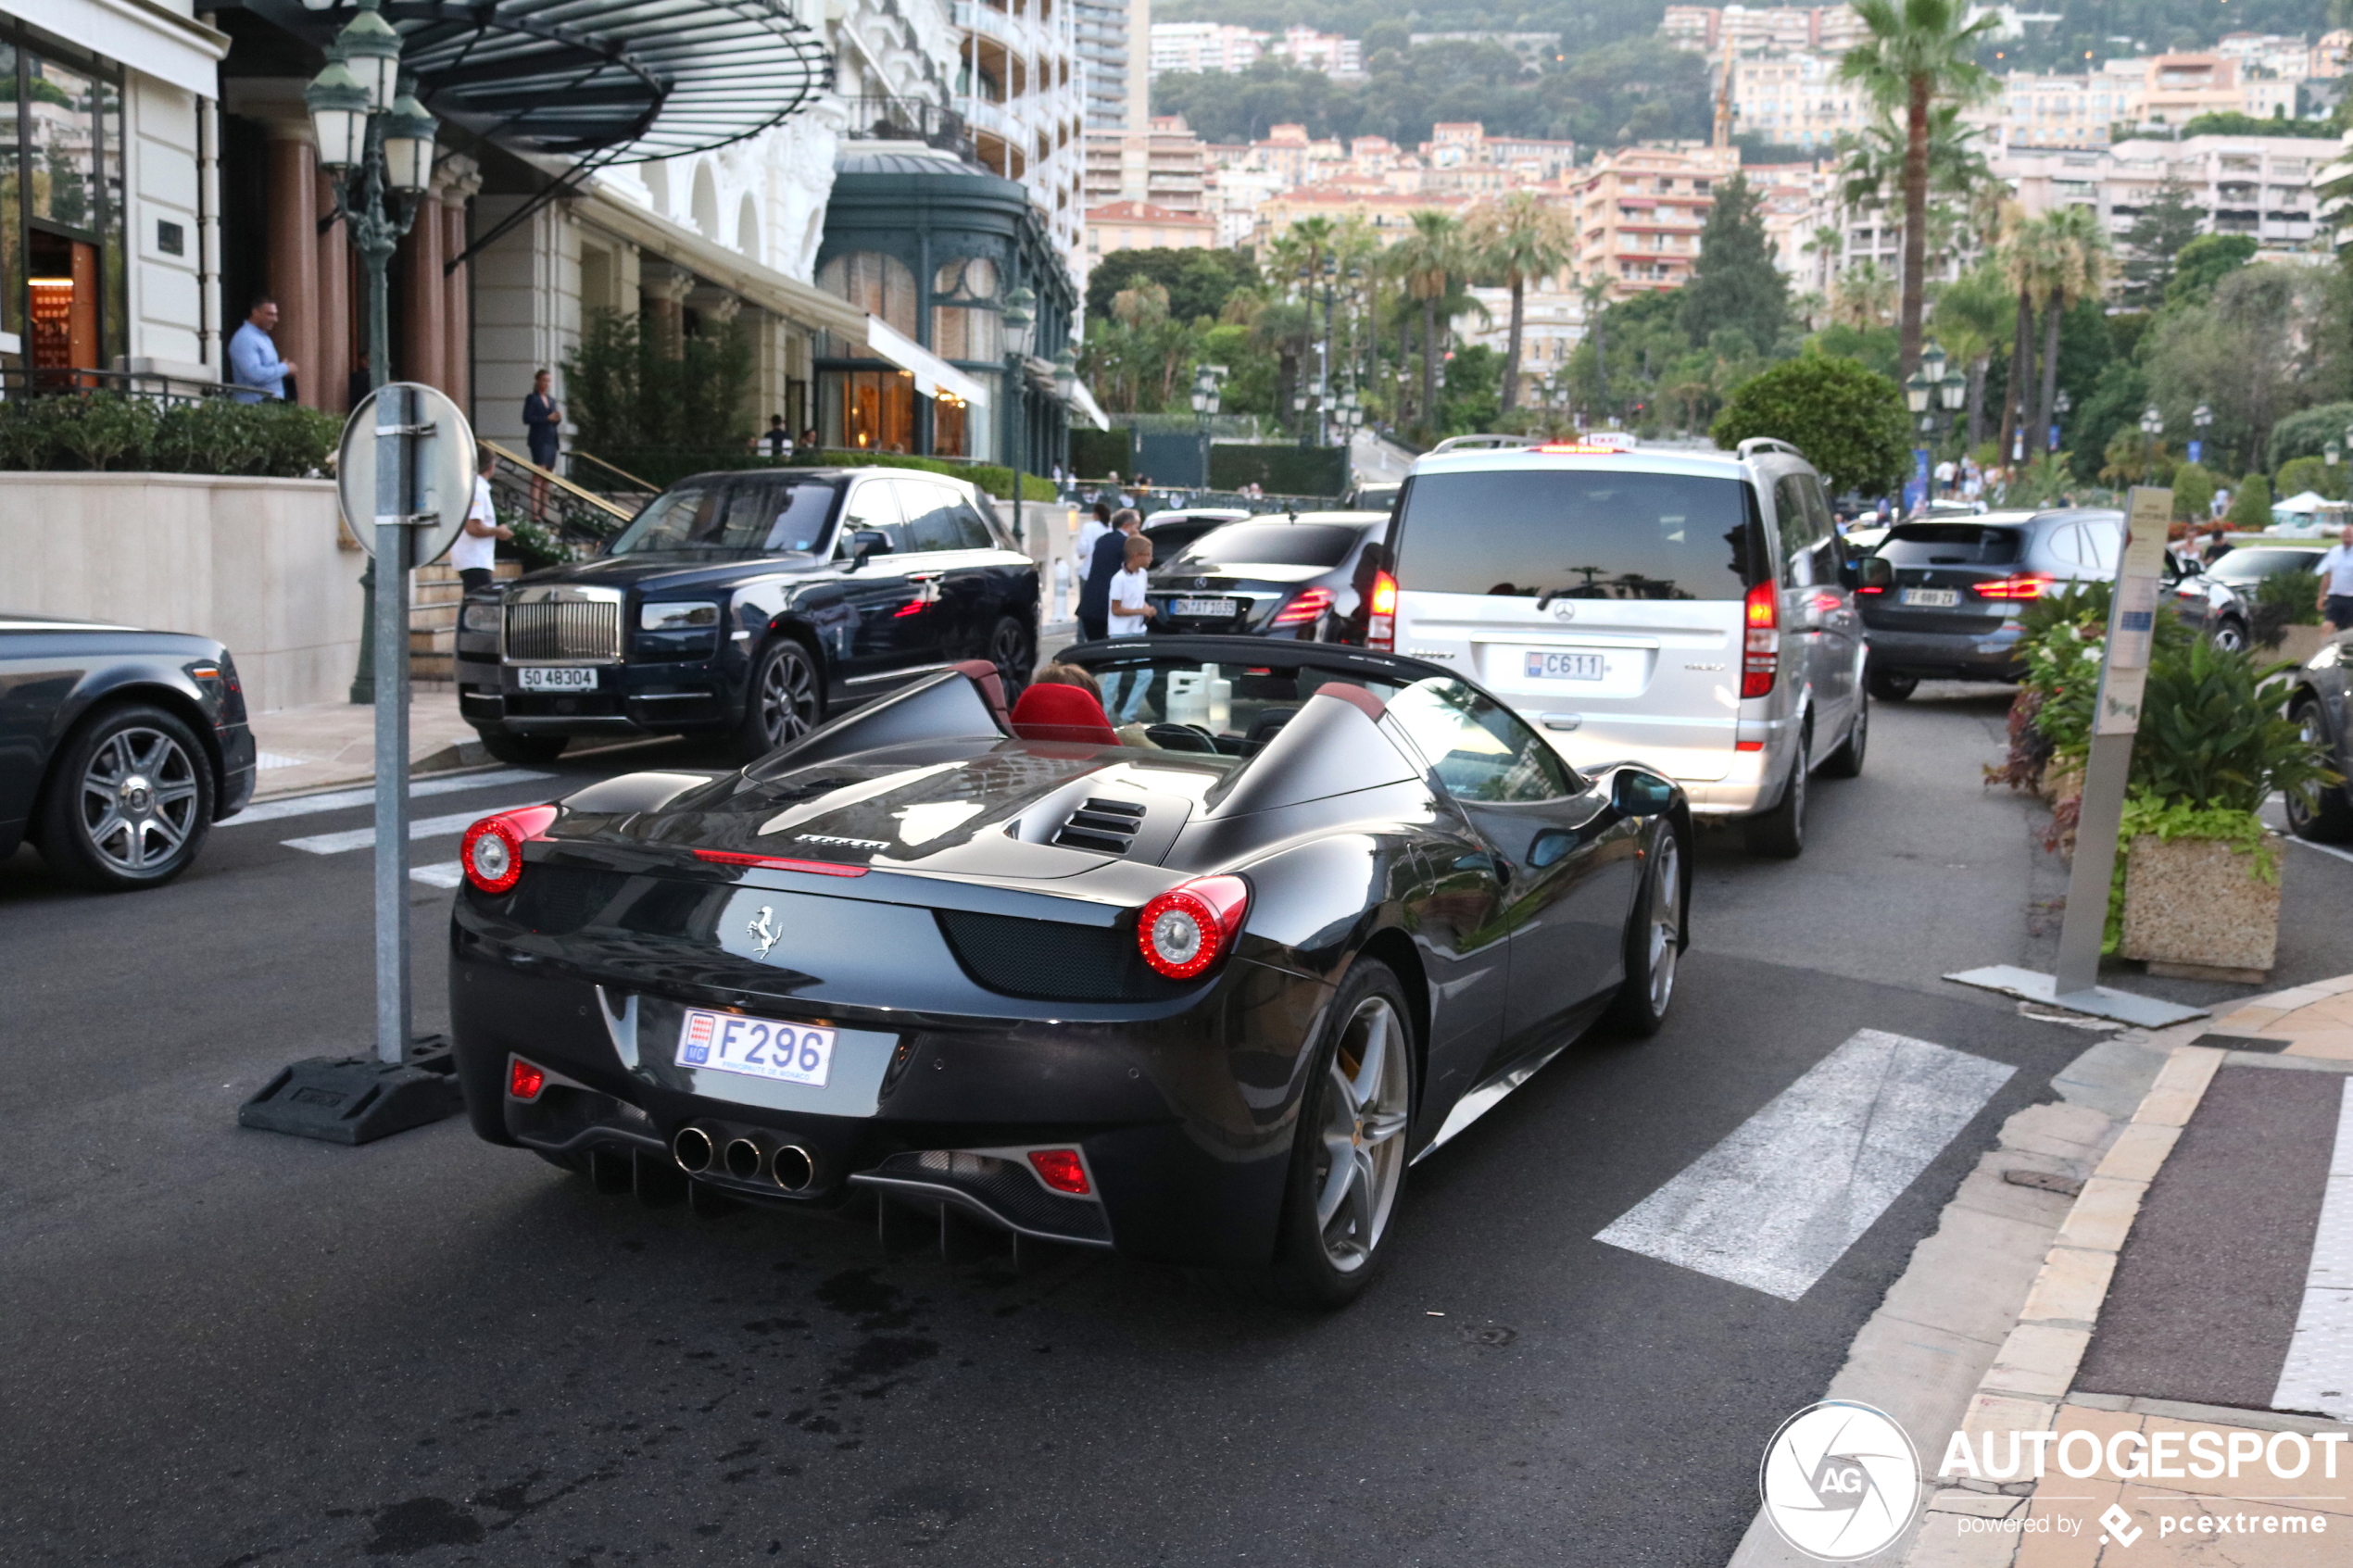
[791, 1167]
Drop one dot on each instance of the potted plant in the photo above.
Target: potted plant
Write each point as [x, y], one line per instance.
[2287, 615]
[2198, 880]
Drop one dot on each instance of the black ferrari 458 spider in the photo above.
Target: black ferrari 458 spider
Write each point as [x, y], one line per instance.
[1196, 978]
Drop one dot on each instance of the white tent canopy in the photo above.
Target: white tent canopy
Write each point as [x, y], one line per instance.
[2309, 503]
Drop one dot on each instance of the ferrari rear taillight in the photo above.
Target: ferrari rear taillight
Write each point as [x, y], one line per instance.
[1062, 1169]
[1381, 625]
[523, 1080]
[1305, 610]
[492, 851]
[1761, 654]
[2025, 586]
[1184, 931]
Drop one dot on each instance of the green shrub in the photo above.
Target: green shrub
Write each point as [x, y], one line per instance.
[105, 431]
[2299, 474]
[1279, 470]
[1096, 453]
[2282, 600]
[2193, 487]
[2251, 508]
[2213, 735]
[2307, 434]
[1849, 421]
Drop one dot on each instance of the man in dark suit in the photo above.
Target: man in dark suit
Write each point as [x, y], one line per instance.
[1110, 556]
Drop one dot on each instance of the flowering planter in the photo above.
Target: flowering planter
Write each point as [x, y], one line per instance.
[2197, 906]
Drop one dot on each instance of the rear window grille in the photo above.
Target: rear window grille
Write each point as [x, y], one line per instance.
[564, 629]
[1107, 826]
[1054, 961]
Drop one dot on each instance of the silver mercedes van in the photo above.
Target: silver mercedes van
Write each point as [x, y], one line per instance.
[1687, 610]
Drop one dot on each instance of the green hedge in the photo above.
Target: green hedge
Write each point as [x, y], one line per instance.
[667, 466]
[105, 431]
[1097, 453]
[1281, 471]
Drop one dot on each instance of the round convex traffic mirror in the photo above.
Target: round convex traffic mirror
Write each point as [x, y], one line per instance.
[444, 477]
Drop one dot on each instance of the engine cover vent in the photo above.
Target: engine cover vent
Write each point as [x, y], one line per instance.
[1106, 826]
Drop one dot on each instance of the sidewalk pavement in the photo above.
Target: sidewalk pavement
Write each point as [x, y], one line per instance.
[328, 744]
[2188, 1336]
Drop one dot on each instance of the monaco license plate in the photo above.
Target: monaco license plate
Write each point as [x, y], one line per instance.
[578, 678]
[1932, 599]
[1219, 609]
[1566, 666]
[728, 1042]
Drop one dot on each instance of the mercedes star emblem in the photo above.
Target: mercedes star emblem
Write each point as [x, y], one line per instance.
[1563, 611]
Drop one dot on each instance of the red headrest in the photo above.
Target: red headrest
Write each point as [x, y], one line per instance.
[1050, 712]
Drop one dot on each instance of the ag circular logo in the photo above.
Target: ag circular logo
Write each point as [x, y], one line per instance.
[1839, 1481]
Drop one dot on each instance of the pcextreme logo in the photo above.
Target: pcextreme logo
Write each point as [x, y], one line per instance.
[1839, 1481]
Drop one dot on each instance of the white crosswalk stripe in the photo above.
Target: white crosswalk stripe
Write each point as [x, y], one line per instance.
[344, 799]
[418, 827]
[445, 873]
[2318, 1371]
[1780, 1201]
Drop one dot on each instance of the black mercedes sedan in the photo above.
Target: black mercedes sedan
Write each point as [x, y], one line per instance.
[1199, 986]
[1300, 576]
[118, 748]
[750, 605]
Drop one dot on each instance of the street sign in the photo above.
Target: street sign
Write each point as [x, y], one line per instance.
[2124, 668]
[2197, 450]
[442, 471]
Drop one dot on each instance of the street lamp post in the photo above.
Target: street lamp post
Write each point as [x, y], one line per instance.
[375, 146]
[1021, 326]
[2153, 434]
[1208, 393]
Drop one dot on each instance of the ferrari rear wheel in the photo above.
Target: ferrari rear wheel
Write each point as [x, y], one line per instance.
[1348, 1156]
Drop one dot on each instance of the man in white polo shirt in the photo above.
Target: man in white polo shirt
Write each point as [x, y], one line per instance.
[475, 553]
[2335, 566]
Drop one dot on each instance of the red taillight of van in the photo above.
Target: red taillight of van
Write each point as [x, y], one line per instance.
[1380, 625]
[1761, 653]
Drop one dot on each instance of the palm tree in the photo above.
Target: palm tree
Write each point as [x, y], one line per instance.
[2078, 264]
[1970, 313]
[2023, 265]
[1828, 239]
[1862, 296]
[1428, 259]
[1915, 57]
[1593, 292]
[1520, 238]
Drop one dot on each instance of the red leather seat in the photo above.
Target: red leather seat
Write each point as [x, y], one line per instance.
[1050, 712]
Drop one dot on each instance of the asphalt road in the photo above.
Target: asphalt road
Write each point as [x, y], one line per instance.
[229, 1347]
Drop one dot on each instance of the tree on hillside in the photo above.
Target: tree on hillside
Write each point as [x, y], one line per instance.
[2205, 262]
[1917, 57]
[1735, 282]
[1521, 238]
[2154, 243]
[1848, 421]
[1198, 280]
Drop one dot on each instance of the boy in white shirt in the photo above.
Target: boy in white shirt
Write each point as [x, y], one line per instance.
[1130, 614]
[476, 551]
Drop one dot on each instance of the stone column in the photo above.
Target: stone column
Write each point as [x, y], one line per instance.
[293, 248]
[665, 293]
[456, 183]
[422, 334]
[334, 352]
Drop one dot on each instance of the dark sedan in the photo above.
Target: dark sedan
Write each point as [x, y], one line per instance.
[1173, 530]
[2321, 701]
[118, 748]
[1200, 988]
[1303, 576]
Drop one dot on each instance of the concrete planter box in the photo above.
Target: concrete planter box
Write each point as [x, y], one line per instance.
[251, 561]
[2195, 906]
[2298, 643]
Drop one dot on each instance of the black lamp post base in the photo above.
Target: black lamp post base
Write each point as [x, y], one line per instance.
[358, 1099]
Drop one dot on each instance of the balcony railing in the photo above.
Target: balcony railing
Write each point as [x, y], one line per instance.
[877, 116]
[42, 382]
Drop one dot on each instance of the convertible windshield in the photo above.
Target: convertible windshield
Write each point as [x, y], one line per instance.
[1233, 709]
[734, 517]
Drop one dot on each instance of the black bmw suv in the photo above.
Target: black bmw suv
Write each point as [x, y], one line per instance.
[748, 605]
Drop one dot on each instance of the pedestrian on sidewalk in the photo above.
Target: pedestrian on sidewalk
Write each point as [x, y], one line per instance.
[1097, 524]
[475, 553]
[2336, 568]
[1131, 614]
[356, 385]
[1103, 563]
[543, 430]
[254, 366]
[777, 442]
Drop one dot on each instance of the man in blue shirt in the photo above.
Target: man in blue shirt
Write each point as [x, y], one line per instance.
[254, 366]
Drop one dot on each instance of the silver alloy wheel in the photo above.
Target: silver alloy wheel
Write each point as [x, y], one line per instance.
[1006, 652]
[2228, 636]
[1363, 1157]
[787, 697]
[138, 799]
[1662, 946]
[2299, 804]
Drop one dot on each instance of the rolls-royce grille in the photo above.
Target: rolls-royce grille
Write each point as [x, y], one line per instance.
[547, 628]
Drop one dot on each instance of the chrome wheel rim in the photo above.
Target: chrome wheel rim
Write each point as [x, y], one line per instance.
[1362, 1153]
[1665, 921]
[788, 698]
[2308, 727]
[2228, 637]
[138, 799]
[1006, 655]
